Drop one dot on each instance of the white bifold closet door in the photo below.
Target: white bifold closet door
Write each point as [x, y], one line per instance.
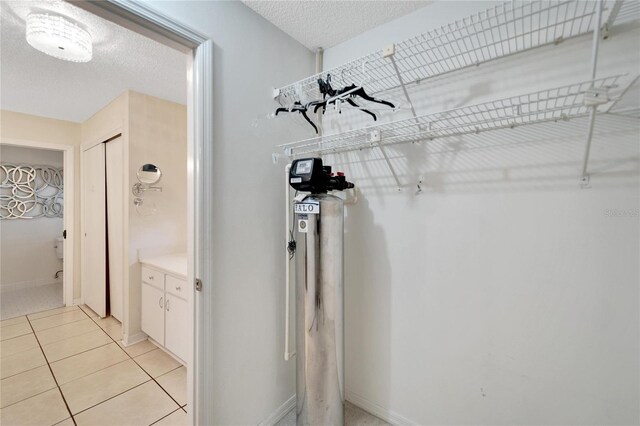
[94, 251]
[103, 263]
[115, 174]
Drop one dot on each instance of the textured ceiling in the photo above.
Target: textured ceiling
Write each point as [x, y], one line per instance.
[34, 83]
[327, 23]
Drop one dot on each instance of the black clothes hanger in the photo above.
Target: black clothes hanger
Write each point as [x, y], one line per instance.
[361, 92]
[302, 109]
[332, 96]
[349, 93]
[325, 87]
[333, 99]
[327, 90]
[351, 102]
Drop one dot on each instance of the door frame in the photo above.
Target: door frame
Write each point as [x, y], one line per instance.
[68, 203]
[145, 20]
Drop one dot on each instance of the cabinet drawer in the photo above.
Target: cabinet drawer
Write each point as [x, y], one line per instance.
[153, 277]
[177, 287]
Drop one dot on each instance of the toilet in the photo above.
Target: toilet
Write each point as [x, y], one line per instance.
[60, 247]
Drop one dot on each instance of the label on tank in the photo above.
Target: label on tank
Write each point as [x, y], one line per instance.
[307, 208]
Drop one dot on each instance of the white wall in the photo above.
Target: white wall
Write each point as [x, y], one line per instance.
[504, 293]
[251, 57]
[27, 246]
[157, 135]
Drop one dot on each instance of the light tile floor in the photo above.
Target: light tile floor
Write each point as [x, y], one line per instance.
[66, 366]
[25, 301]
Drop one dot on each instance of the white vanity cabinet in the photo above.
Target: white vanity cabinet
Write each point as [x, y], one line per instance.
[176, 325]
[165, 306]
[153, 312]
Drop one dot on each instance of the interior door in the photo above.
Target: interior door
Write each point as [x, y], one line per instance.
[115, 173]
[94, 265]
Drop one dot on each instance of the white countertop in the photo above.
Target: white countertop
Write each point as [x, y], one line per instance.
[175, 263]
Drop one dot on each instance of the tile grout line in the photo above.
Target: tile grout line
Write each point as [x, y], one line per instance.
[71, 337]
[136, 362]
[12, 325]
[31, 369]
[29, 397]
[58, 386]
[53, 375]
[162, 418]
[67, 357]
[20, 335]
[156, 382]
[111, 397]
[42, 350]
[59, 325]
[17, 316]
[47, 363]
[97, 371]
[47, 316]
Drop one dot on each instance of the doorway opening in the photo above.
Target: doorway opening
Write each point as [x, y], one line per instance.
[37, 226]
[123, 335]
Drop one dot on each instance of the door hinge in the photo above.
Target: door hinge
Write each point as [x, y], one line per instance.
[198, 284]
[64, 234]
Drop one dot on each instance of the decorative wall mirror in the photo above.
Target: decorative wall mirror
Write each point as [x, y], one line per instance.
[149, 174]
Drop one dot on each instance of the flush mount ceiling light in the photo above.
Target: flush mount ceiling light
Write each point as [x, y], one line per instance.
[59, 37]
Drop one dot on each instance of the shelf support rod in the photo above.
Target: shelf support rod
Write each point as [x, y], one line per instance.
[319, 69]
[612, 17]
[375, 139]
[622, 94]
[584, 179]
[393, 172]
[390, 53]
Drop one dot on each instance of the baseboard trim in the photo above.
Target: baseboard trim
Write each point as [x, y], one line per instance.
[378, 410]
[77, 301]
[280, 412]
[132, 340]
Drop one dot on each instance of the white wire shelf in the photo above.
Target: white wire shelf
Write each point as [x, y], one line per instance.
[560, 103]
[624, 11]
[504, 30]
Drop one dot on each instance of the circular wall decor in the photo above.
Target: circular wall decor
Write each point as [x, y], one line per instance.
[30, 192]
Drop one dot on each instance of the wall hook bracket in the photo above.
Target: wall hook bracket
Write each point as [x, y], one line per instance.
[584, 181]
[138, 189]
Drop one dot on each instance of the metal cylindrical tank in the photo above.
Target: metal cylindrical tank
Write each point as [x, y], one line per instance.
[320, 313]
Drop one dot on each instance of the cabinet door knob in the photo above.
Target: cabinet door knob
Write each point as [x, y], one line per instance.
[178, 287]
[160, 302]
[150, 277]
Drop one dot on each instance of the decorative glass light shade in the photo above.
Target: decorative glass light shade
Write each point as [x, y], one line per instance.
[59, 37]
